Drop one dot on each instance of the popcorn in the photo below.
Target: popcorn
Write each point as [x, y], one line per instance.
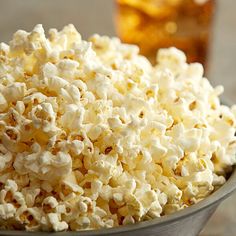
[128, 220]
[50, 202]
[44, 165]
[55, 83]
[55, 222]
[7, 211]
[43, 117]
[3, 103]
[14, 92]
[5, 158]
[92, 135]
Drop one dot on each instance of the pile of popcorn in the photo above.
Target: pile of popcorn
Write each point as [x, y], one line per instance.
[92, 135]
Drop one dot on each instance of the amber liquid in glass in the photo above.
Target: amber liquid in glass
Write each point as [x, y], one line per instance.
[154, 24]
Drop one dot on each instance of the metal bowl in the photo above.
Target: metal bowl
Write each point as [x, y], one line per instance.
[187, 222]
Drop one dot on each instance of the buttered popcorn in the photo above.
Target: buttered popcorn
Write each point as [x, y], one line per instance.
[92, 135]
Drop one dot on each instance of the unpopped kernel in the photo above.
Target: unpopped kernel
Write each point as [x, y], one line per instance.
[92, 135]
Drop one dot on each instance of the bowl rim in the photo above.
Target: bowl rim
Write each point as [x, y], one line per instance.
[216, 197]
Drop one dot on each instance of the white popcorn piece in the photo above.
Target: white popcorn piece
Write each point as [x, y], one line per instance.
[128, 220]
[20, 199]
[55, 222]
[96, 186]
[155, 209]
[30, 195]
[118, 198]
[70, 182]
[67, 68]
[7, 211]
[82, 207]
[51, 201]
[44, 165]
[4, 49]
[3, 103]
[173, 59]
[55, 83]
[44, 117]
[5, 158]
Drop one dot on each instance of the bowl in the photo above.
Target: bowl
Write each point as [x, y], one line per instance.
[187, 222]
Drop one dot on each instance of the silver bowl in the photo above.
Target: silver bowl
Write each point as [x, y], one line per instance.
[187, 222]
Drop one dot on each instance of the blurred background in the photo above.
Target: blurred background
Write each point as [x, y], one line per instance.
[106, 18]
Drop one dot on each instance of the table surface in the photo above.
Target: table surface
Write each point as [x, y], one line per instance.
[24, 14]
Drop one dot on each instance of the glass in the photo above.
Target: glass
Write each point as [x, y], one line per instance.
[153, 24]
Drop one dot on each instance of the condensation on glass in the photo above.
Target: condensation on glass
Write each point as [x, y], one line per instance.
[153, 24]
